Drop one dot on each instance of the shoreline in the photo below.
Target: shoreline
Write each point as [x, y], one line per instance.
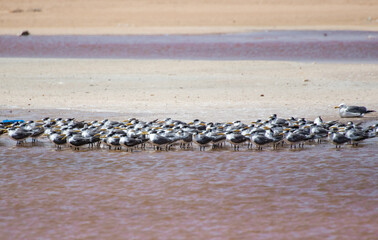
[90, 115]
[175, 30]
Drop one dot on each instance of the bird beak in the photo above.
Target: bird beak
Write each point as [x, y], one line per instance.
[337, 107]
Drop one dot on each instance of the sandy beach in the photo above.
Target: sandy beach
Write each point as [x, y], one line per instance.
[215, 90]
[159, 88]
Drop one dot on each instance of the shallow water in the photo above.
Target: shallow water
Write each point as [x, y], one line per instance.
[291, 45]
[315, 193]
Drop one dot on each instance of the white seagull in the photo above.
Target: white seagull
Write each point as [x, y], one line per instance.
[352, 111]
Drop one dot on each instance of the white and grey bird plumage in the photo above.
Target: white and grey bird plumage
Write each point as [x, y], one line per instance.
[337, 138]
[19, 134]
[346, 111]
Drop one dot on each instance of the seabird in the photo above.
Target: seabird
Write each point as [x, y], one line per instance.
[18, 134]
[318, 121]
[186, 139]
[58, 139]
[129, 142]
[337, 138]
[172, 135]
[158, 141]
[236, 139]
[355, 135]
[76, 140]
[202, 140]
[260, 139]
[352, 111]
[95, 139]
[93, 134]
[277, 138]
[279, 121]
[218, 139]
[36, 133]
[294, 138]
[319, 132]
[113, 141]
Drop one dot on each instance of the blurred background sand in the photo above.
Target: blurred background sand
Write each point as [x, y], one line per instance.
[183, 16]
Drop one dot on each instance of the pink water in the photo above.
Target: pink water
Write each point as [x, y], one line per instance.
[260, 45]
[315, 193]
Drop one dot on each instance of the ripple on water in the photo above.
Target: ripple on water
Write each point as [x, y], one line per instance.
[312, 193]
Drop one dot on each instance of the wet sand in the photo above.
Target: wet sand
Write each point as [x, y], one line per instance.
[258, 45]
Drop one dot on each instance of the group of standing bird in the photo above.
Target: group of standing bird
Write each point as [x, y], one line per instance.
[133, 134]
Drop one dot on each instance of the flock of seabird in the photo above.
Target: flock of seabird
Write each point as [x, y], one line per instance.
[169, 134]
